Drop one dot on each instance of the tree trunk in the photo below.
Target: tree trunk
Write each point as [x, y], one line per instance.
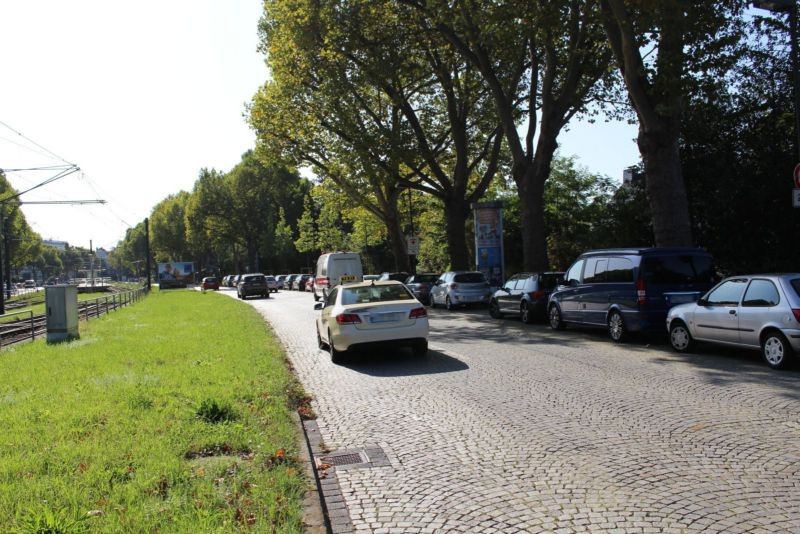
[397, 240]
[534, 239]
[456, 211]
[666, 192]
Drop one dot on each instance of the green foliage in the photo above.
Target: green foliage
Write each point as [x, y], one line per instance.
[212, 411]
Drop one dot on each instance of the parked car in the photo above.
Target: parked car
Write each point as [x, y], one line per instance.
[287, 282]
[460, 288]
[30, 284]
[629, 290]
[252, 284]
[399, 277]
[371, 315]
[272, 283]
[755, 311]
[280, 279]
[299, 283]
[210, 282]
[420, 285]
[234, 280]
[524, 294]
[336, 268]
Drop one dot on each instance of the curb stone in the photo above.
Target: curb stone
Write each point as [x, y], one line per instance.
[313, 516]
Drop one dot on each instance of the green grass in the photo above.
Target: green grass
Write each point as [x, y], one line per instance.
[170, 415]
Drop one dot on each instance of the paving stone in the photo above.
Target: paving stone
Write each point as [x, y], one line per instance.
[512, 427]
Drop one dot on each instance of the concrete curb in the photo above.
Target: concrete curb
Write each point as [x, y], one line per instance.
[313, 515]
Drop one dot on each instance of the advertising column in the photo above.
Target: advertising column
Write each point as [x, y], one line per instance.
[489, 241]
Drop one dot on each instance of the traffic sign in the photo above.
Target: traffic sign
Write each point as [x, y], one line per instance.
[796, 197]
[796, 175]
[412, 243]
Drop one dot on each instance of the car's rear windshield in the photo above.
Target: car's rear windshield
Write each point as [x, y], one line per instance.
[254, 279]
[679, 269]
[549, 281]
[211, 279]
[470, 278]
[365, 295]
[426, 278]
[796, 285]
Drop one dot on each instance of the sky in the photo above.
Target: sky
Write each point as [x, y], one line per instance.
[141, 96]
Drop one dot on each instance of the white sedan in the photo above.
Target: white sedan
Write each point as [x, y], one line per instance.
[371, 315]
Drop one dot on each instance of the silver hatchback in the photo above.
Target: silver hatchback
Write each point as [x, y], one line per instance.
[760, 311]
[460, 288]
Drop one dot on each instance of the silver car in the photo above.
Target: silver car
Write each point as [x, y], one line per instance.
[460, 288]
[760, 311]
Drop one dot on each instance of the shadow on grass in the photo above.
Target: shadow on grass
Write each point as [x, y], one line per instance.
[401, 362]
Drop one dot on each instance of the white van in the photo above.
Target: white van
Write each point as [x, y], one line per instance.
[336, 268]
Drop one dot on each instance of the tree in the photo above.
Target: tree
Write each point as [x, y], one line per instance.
[691, 41]
[539, 61]
[168, 228]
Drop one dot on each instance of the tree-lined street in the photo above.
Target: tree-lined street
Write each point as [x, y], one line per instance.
[515, 428]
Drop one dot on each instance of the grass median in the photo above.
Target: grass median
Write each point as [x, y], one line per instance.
[170, 415]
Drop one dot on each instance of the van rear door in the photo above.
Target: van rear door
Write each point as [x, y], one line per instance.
[676, 278]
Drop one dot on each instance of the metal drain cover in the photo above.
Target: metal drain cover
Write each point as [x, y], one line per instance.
[347, 458]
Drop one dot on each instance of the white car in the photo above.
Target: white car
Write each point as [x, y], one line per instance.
[371, 315]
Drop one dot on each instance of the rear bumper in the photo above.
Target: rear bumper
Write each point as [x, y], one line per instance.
[794, 339]
[385, 345]
[348, 337]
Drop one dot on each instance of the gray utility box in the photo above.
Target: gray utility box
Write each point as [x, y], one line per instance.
[62, 312]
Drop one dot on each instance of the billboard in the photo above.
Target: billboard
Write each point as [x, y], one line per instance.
[489, 241]
[175, 274]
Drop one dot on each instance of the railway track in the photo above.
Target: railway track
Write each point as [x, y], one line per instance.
[25, 326]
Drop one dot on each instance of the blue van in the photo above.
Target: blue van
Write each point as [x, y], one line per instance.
[629, 290]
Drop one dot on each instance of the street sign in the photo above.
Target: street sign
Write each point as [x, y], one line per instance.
[796, 197]
[412, 243]
[796, 175]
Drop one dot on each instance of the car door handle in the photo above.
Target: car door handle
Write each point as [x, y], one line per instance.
[732, 312]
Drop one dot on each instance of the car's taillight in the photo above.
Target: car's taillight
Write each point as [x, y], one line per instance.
[321, 281]
[453, 285]
[417, 313]
[796, 314]
[641, 292]
[348, 318]
[536, 295]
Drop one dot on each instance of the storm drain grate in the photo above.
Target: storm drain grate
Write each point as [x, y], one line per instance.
[343, 459]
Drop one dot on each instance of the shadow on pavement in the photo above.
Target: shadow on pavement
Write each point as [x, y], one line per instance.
[400, 362]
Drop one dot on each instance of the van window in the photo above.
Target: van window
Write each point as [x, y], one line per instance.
[761, 293]
[681, 269]
[620, 270]
[574, 272]
[595, 270]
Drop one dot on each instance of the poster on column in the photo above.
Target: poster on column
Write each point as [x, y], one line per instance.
[489, 241]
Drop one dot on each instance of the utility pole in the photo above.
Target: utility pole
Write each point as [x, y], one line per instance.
[147, 250]
[7, 252]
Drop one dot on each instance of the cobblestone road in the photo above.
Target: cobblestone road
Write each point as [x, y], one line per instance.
[507, 427]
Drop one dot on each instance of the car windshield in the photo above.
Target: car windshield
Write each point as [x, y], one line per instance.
[365, 295]
[254, 279]
[470, 278]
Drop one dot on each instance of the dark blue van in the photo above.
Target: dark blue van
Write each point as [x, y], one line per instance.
[629, 290]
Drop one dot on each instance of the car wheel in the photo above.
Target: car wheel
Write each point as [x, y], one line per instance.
[554, 315]
[525, 313]
[679, 337]
[776, 350]
[616, 327]
[321, 344]
[448, 304]
[336, 355]
[420, 350]
[494, 310]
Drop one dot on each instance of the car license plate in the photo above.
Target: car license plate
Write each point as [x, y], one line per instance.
[347, 278]
[385, 317]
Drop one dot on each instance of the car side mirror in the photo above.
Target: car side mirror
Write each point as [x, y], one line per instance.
[507, 290]
[573, 282]
[318, 306]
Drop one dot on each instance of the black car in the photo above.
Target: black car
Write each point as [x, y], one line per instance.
[252, 284]
[420, 285]
[524, 294]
